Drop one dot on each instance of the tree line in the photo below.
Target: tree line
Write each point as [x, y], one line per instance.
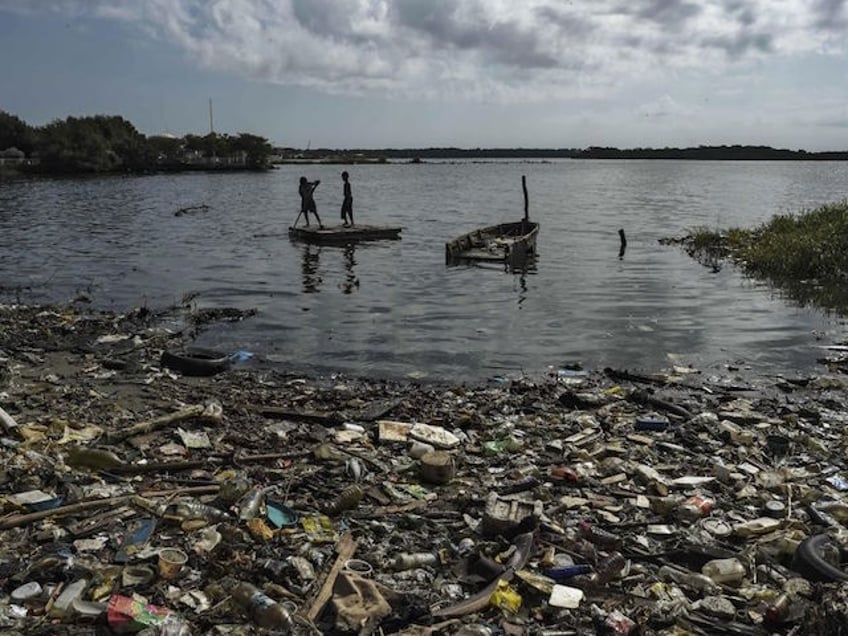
[110, 143]
[734, 152]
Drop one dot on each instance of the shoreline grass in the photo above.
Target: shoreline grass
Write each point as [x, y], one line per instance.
[804, 254]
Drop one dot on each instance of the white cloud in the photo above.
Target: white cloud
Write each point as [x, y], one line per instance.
[479, 49]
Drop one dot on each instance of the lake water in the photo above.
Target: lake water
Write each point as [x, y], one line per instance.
[394, 309]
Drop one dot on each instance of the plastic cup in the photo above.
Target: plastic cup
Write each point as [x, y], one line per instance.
[358, 566]
[171, 561]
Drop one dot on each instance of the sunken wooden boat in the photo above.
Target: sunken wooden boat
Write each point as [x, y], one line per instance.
[505, 242]
[497, 243]
[341, 235]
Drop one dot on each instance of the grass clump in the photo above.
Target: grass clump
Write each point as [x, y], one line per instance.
[805, 254]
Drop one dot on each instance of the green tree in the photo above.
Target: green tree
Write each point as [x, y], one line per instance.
[165, 149]
[15, 132]
[92, 144]
[257, 148]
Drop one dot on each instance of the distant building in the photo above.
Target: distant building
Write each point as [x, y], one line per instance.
[12, 156]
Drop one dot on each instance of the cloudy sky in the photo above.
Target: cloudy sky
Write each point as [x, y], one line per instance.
[468, 73]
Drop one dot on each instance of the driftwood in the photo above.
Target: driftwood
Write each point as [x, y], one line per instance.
[345, 550]
[211, 412]
[16, 521]
[321, 417]
[366, 414]
[642, 397]
[163, 467]
[191, 490]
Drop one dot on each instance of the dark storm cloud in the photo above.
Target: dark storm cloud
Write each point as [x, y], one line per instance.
[568, 24]
[467, 26]
[669, 13]
[738, 45]
[476, 47]
[830, 15]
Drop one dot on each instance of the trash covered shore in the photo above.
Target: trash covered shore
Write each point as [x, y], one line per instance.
[150, 490]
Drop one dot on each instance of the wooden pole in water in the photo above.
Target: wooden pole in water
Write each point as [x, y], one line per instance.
[526, 202]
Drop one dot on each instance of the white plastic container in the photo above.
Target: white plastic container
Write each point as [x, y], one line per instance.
[64, 605]
[727, 571]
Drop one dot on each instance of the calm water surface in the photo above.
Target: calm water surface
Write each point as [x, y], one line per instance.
[394, 308]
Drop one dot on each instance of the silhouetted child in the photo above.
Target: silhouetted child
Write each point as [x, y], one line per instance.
[307, 200]
[347, 203]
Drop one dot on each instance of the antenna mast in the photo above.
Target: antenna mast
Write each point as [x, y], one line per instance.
[211, 121]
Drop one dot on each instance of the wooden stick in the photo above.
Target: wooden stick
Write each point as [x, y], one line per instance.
[279, 412]
[345, 550]
[191, 490]
[164, 467]
[647, 399]
[15, 521]
[198, 410]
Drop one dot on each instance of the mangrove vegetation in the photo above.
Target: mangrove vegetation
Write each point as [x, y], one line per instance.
[110, 144]
[803, 255]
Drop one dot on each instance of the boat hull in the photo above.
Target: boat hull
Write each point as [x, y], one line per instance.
[340, 235]
[497, 243]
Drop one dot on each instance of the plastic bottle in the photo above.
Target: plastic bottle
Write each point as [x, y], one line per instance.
[609, 568]
[694, 508]
[196, 510]
[408, 561]
[724, 570]
[251, 503]
[693, 580]
[779, 610]
[567, 571]
[261, 608]
[598, 536]
[347, 499]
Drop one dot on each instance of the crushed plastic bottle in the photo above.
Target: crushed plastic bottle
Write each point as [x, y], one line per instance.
[261, 608]
[251, 503]
[599, 536]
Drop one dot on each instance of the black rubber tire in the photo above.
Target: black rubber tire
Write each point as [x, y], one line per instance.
[196, 362]
[809, 562]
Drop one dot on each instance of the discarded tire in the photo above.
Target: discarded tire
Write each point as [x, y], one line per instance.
[809, 560]
[196, 362]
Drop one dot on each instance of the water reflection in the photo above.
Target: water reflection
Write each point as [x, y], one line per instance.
[351, 281]
[311, 276]
[309, 261]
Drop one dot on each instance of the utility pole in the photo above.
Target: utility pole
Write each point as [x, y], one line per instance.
[211, 121]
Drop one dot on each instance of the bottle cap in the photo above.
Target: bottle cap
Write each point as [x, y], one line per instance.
[717, 527]
[775, 508]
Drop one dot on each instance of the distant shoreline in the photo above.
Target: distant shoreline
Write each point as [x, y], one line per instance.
[720, 153]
